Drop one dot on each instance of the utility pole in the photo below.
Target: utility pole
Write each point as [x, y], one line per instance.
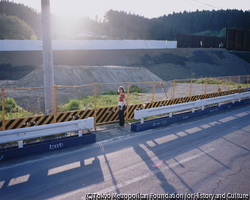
[48, 66]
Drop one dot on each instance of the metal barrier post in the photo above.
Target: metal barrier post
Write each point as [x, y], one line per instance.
[239, 84]
[190, 89]
[95, 104]
[247, 80]
[206, 87]
[153, 95]
[20, 144]
[80, 133]
[39, 107]
[218, 85]
[174, 89]
[54, 104]
[229, 83]
[127, 102]
[3, 110]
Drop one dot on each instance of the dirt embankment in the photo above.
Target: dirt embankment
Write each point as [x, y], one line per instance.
[168, 64]
[83, 75]
[75, 76]
[71, 68]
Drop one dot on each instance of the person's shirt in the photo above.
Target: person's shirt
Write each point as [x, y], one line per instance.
[121, 98]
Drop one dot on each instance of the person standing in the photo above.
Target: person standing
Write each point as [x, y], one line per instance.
[121, 106]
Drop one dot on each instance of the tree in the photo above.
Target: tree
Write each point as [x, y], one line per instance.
[123, 25]
[25, 13]
[13, 28]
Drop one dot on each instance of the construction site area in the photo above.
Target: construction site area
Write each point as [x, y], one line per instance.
[72, 68]
[86, 80]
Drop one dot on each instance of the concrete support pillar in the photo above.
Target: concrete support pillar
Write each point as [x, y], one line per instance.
[48, 66]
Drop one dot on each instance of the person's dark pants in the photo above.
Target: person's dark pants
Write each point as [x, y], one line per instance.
[121, 116]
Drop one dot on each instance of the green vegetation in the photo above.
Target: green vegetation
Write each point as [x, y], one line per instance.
[222, 82]
[221, 33]
[21, 113]
[136, 89]
[132, 89]
[74, 104]
[12, 110]
[111, 92]
[106, 99]
[9, 106]
[24, 13]
[131, 26]
[110, 98]
[210, 81]
[13, 28]
[208, 33]
[33, 18]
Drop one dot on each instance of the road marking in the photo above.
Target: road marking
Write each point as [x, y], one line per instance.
[64, 168]
[1, 184]
[227, 119]
[89, 161]
[181, 134]
[18, 180]
[154, 172]
[120, 185]
[151, 143]
[193, 130]
[165, 139]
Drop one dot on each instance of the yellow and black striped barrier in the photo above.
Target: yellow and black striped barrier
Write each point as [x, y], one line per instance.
[103, 115]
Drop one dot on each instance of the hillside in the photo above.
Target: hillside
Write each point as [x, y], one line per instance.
[167, 64]
[14, 28]
[167, 27]
[25, 13]
[115, 66]
[131, 26]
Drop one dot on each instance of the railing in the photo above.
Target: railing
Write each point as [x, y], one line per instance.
[45, 130]
[24, 107]
[141, 114]
[36, 45]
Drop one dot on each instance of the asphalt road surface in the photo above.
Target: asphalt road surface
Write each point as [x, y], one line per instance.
[209, 155]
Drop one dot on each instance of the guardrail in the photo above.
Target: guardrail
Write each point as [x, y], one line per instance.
[36, 45]
[45, 130]
[24, 107]
[141, 114]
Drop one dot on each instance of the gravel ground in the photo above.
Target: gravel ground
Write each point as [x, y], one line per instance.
[28, 98]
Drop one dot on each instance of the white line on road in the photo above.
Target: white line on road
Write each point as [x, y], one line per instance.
[120, 185]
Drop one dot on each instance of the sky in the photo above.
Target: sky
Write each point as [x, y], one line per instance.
[146, 8]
